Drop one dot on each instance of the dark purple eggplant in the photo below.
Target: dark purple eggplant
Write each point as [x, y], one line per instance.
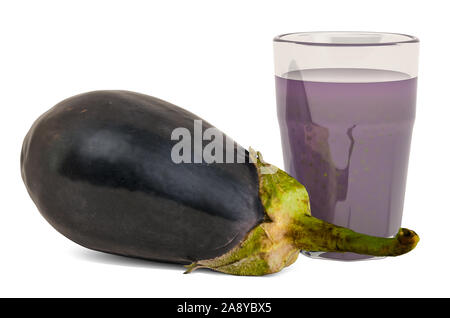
[99, 168]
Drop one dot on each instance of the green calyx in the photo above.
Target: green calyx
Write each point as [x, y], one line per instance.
[289, 228]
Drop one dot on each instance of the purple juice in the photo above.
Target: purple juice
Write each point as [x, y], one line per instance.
[346, 136]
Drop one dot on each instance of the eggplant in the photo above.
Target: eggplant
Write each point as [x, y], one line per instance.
[99, 166]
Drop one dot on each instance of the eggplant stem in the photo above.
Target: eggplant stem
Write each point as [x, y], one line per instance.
[312, 234]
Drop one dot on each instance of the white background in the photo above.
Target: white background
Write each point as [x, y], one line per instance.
[215, 59]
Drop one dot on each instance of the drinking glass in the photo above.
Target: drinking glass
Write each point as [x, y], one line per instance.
[346, 108]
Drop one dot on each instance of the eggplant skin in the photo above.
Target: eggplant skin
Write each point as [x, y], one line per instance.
[98, 167]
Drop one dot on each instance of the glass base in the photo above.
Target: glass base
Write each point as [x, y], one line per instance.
[340, 256]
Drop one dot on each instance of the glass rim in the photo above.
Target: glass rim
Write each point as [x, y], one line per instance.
[405, 38]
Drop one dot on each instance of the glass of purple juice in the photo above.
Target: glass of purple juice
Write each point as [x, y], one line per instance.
[346, 107]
